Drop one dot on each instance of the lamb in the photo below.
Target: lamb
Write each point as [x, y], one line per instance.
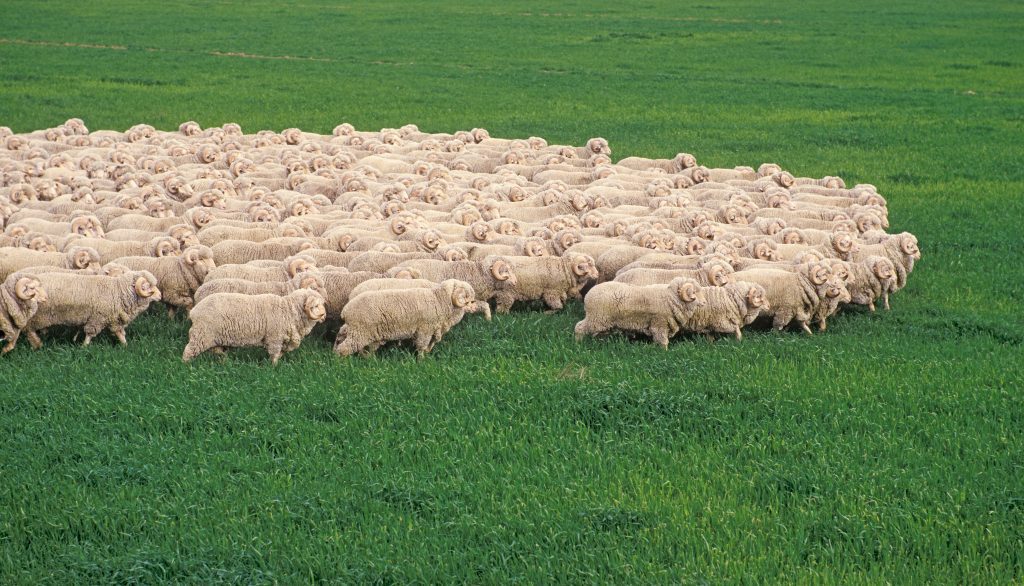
[92, 302]
[658, 311]
[728, 309]
[76, 257]
[487, 277]
[421, 315]
[179, 276]
[20, 296]
[549, 278]
[234, 320]
[310, 281]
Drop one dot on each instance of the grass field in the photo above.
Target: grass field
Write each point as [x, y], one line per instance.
[890, 449]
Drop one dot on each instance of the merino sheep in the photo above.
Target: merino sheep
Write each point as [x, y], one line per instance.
[310, 281]
[728, 309]
[234, 320]
[92, 302]
[20, 296]
[76, 257]
[179, 276]
[487, 277]
[791, 296]
[420, 315]
[552, 279]
[658, 311]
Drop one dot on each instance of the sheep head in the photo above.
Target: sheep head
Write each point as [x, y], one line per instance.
[403, 273]
[684, 161]
[817, 273]
[145, 287]
[184, 235]
[200, 258]
[29, 288]
[480, 231]
[313, 306]
[764, 251]
[534, 246]
[165, 246]
[501, 271]
[719, 272]
[452, 253]
[460, 293]
[756, 298]
[792, 236]
[844, 245]
[688, 291]
[908, 244]
[83, 258]
[41, 242]
[430, 240]
[583, 266]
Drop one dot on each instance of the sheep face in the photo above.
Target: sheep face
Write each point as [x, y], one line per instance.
[719, 272]
[84, 258]
[756, 298]
[41, 243]
[908, 244]
[28, 288]
[166, 246]
[501, 271]
[763, 251]
[791, 236]
[199, 257]
[583, 266]
[534, 246]
[297, 266]
[460, 293]
[314, 307]
[694, 246]
[688, 291]
[480, 231]
[883, 269]
[844, 245]
[145, 288]
[453, 253]
[834, 287]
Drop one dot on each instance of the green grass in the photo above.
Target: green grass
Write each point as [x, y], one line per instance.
[888, 450]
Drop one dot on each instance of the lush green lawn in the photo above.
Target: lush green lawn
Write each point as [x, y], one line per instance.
[889, 449]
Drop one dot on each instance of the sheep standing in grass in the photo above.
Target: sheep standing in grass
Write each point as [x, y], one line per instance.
[791, 296]
[659, 311]
[92, 302]
[179, 276]
[420, 315]
[552, 279]
[234, 320]
[20, 296]
[310, 281]
[728, 309]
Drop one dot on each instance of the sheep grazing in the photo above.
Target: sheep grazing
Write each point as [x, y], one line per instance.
[93, 303]
[420, 315]
[658, 311]
[518, 220]
[235, 320]
[20, 296]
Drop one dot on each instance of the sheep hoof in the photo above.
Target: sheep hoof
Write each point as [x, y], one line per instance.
[7, 348]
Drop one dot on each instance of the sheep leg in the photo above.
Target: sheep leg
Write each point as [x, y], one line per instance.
[739, 334]
[660, 336]
[886, 297]
[871, 306]
[822, 325]
[170, 312]
[118, 331]
[422, 342]
[12, 339]
[274, 350]
[34, 340]
[554, 302]
[194, 348]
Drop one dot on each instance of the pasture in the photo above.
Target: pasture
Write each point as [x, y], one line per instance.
[888, 449]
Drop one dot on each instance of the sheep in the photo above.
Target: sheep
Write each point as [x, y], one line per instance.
[92, 302]
[110, 251]
[728, 309]
[792, 296]
[901, 249]
[391, 284]
[715, 273]
[234, 320]
[232, 252]
[338, 288]
[179, 276]
[311, 281]
[549, 278]
[20, 296]
[421, 315]
[277, 271]
[487, 277]
[658, 311]
[76, 257]
[871, 279]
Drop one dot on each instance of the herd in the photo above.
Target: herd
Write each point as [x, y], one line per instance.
[395, 235]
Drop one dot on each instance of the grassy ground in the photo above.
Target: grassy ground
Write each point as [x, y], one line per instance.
[889, 449]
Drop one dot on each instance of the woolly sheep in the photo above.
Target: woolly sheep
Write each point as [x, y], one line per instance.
[178, 276]
[659, 311]
[548, 278]
[20, 296]
[76, 257]
[420, 315]
[310, 281]
[92, 302]
[234, 320]
[487, 277]
[728, 309]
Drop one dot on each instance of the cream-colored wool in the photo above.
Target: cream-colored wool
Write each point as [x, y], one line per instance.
[728, 309]
[488, 277]
[76, 257]
[178, 276]
[312, 281]
[550, 279]
[111, 250]
[715, 273]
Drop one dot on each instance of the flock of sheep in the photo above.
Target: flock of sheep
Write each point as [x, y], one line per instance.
[396, 235]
